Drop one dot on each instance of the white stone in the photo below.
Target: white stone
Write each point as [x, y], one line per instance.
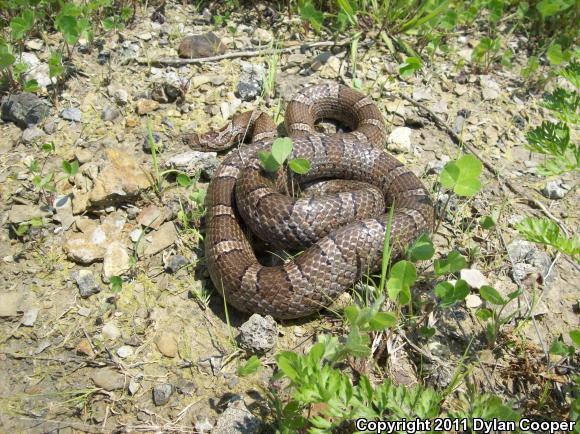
[111, 331]
[400, 140]
[473, 277]
[124, 351]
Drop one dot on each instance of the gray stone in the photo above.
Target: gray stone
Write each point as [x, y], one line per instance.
[203, 425]
[37, 70]
[29, 316]
[160, 239]
[192, 162]
[490, 89]
[162, 393]
[458, 124]
[210, 365]
[23, 213]
[86, 283]
[71, 114]
[157, 139]
[237, 419]
[10, 305]
[124, 351]
[175, 263]
[110, 113]
[205, 45]
[259, 334]
[528, 259]
[24, 109]
[121, 96]
[248, 91]
[436, 166]
[320, 60]
[555, 190]
[261, 36]
[110, 331]
[108, 379]
[50, 125]
[32, 135]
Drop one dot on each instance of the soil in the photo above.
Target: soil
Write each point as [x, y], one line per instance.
[102, 362]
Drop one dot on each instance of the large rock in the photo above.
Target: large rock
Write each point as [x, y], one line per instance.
[120, 179]
[24, 109]
[23, 213]
[91, 243]
[237, 419]
[116, 260]
[259, 334]
[160, 239]
[206, 45]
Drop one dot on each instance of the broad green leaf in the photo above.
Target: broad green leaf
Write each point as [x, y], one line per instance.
[410, 66]
[454, 262]
[71, 169]
[31, 86]
[560, 348]
[427, 332]
[546, 231]
[251, 366]
[269, 163]
[281, 148]
[422, 249]
[184, 180]
[301, 166]
[382, 321]
[549, 8]
[556, 56]
[451, 294]
[575, 336]
[22, 24]
[284, 361]
[6, 58]
[483, 314]
[308, 12]
[462, 176]
[351, 312]
[402, 276]
[55, 66]
[487, 222]
[491, 295]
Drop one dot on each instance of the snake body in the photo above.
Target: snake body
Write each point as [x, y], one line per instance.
[334, 258]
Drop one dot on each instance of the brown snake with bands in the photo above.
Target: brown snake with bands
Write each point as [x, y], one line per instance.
[334, 258]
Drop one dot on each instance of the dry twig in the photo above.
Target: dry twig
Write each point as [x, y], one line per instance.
[172, 61]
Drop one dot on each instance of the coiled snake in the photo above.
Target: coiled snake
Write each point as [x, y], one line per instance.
[333, 258]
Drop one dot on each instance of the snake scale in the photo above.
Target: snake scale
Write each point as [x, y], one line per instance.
[336, 252]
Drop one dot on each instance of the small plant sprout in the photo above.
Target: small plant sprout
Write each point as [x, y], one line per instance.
[251, 366]
[493, 316]
[281, 150]
[116, 284]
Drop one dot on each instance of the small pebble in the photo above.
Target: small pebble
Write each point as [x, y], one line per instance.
[124, 351]
[29, 317]
[175, 263]
[71, 114]
[162, 393]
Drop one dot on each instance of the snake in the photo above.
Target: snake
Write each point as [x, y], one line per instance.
[334, 251]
